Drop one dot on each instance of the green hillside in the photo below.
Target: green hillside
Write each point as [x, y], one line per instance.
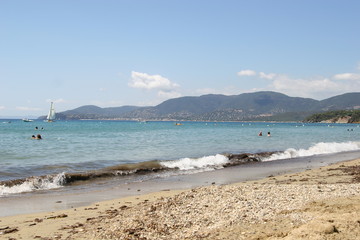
[94, 112]
[351, 116]
[258, 106]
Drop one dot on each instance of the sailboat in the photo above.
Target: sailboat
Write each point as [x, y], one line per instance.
[51, 115]
[27, 120]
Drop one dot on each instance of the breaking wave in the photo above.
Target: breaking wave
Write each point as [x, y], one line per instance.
[32, 184]
[183, 165]
[216, 161]
[316, 149]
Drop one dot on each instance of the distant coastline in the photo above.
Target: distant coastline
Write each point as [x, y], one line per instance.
[254, 107]
[340, 116]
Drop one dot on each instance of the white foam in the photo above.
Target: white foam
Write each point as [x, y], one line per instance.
[34, 184]
[317, 149]
[214, 161]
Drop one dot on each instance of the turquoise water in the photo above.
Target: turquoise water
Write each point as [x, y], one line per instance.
[78, 146]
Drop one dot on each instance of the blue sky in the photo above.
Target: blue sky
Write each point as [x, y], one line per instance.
[142, 52]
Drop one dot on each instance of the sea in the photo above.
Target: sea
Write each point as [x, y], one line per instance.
[79, 152]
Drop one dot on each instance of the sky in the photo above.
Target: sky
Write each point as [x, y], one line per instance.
[142, 52]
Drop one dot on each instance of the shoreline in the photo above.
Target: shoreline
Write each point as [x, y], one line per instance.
[195, 121]
[279, 206]
[107, 189]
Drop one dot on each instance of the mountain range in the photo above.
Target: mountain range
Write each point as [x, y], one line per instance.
[258, 106]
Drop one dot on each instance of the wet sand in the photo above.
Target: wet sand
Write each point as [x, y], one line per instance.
[321, 203]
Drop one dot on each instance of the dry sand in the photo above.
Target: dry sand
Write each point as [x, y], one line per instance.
[322, 203]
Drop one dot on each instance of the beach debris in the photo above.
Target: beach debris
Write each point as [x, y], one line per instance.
[204, 211]
[112, 211]
[190, 214]
[237, 159]
[123, 207]
[38, 220]
[95, 208]
[7, 230]
[77, 225]
[354, 171]
[58, 216]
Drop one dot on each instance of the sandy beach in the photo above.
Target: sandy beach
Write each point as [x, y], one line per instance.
[321, 203]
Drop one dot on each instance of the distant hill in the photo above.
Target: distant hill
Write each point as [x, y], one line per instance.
[339, 116]
[258, 106]
[341, 102]
[94, 112]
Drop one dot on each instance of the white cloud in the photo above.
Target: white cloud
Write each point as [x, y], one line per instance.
[168, 94]
[347, 76]
[250, 73]
[318, 88]
[269, 76]
[315, 87]
[263, 75]
[246, 73]
[304, 85]
[2, 107]
[146, 81]
[164, 87]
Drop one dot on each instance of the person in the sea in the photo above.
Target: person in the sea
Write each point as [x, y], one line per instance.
[33, 137]
[260, 133]
[38, 136]
[269, 135]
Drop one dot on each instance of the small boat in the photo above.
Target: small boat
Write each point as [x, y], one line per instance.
[178, 124]
[51, 115]
[27, 120]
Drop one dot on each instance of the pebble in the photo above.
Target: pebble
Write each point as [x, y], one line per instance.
[193, 214]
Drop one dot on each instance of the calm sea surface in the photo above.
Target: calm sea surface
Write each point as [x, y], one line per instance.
[80, 146]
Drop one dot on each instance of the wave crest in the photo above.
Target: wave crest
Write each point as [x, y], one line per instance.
[215, 161]
[317, 149]
[33, 184]
[185, 165]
